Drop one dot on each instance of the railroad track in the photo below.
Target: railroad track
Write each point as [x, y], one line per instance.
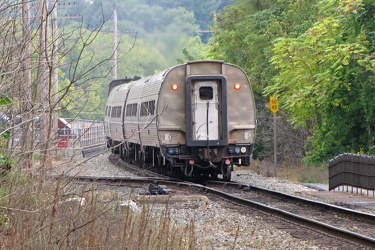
[342, 224]
[239, 196]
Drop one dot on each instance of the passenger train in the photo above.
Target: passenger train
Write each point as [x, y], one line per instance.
[194, 120]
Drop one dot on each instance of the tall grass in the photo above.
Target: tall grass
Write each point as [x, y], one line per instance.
[38, 213]
[292, 170]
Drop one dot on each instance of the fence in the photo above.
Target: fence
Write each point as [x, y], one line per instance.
[354, 171]
[84, 137]
[80, 133]
[77, 136]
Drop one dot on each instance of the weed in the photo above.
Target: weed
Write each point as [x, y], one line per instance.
[51, 214]
[5, 223]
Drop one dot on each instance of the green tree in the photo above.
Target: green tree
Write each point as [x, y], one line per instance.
[326, 79]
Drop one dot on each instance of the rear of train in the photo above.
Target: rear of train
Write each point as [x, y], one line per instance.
[201, 121]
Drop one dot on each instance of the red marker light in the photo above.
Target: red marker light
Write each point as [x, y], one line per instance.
[174, 86]
[237, 86]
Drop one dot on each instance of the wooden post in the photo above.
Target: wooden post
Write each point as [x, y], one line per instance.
[114, 67]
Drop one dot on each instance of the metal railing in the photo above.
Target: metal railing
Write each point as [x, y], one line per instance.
[352, 170]
[91, 136]
[81, 142]
[81, 137]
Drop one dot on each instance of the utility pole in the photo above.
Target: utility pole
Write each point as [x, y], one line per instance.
[115, 43]
[114, 57]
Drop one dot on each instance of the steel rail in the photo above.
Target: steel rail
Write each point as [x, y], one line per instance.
[323, 206]
[322, 227]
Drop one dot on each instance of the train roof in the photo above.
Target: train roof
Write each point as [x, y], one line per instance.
[118, 82]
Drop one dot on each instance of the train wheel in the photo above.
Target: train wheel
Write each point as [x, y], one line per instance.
[122, 152]
[158, 164]
[163, 169]
[181, 173]
[214, 175]
[227, 173]
[141, 160]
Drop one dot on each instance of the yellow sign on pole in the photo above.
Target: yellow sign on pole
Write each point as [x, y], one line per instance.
[274, 104]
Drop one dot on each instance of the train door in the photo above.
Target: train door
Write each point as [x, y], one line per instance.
[205, 110]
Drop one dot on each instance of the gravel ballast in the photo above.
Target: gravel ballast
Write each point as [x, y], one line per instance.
[216, 226]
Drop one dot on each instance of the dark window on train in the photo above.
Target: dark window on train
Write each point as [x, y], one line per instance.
[144, 108]
[128, 110]
[118, 113]
[206, 93]
[134, 109]
[147, 108]
[113, 111]
[109, 111]
[151, 107]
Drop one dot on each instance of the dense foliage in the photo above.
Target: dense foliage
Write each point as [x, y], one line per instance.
[326, 78]
[317, 57]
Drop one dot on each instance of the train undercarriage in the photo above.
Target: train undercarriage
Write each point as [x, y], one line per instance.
[199, 163]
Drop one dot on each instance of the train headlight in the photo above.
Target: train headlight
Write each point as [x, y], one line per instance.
[237, 86]
[243, 150]
[237, 150]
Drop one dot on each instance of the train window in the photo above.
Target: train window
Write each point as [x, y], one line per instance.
[144, 109]
[128, 110]
[206, 93]
[134, 109]
[118, 113]
[151, 107]
[147, 108]
[113, 112]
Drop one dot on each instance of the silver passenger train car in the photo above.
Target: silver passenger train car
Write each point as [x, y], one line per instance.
[197, 120]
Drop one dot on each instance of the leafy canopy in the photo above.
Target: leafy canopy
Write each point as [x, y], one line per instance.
[326, 78]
